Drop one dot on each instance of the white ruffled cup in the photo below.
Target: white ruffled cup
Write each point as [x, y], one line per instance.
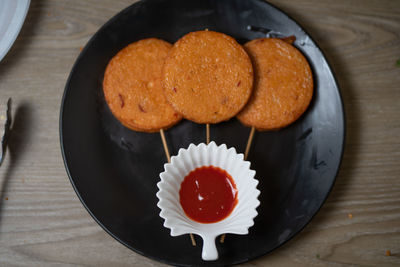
[240, 219]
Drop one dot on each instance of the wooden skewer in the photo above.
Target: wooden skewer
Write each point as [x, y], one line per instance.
[246, 153]
[208, 133]
[193, 241]
[165, 145]
[169, 160]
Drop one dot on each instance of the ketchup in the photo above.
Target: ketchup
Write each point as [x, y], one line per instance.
[208, 194]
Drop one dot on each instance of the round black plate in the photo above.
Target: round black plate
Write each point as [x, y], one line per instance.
[114, 170]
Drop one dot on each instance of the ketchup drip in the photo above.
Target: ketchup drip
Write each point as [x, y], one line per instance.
[208, 194]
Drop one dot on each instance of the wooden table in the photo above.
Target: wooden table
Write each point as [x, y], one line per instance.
[43, 223]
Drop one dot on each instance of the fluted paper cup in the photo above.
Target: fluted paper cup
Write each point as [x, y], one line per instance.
[242, 216]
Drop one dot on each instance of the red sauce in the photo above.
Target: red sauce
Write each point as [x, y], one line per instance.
[208, 194]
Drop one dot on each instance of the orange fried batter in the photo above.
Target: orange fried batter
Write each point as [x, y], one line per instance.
[283, 85]
[133, 90]
[207, 77]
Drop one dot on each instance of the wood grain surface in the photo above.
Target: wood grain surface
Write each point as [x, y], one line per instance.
[42, 222]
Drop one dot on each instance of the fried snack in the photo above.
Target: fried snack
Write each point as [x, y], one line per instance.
[207, 77]
[289, 39]
[283, 85]
[132, 87]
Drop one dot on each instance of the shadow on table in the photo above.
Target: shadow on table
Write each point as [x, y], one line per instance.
[19, 138]
[21, 128]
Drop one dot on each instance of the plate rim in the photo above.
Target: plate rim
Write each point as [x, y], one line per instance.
[9, 42]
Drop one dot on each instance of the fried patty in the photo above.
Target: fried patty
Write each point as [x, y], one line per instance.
[207, 77]
[283, 85]
[132, 86]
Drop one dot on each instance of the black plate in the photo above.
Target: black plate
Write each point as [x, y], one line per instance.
[114, 170]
